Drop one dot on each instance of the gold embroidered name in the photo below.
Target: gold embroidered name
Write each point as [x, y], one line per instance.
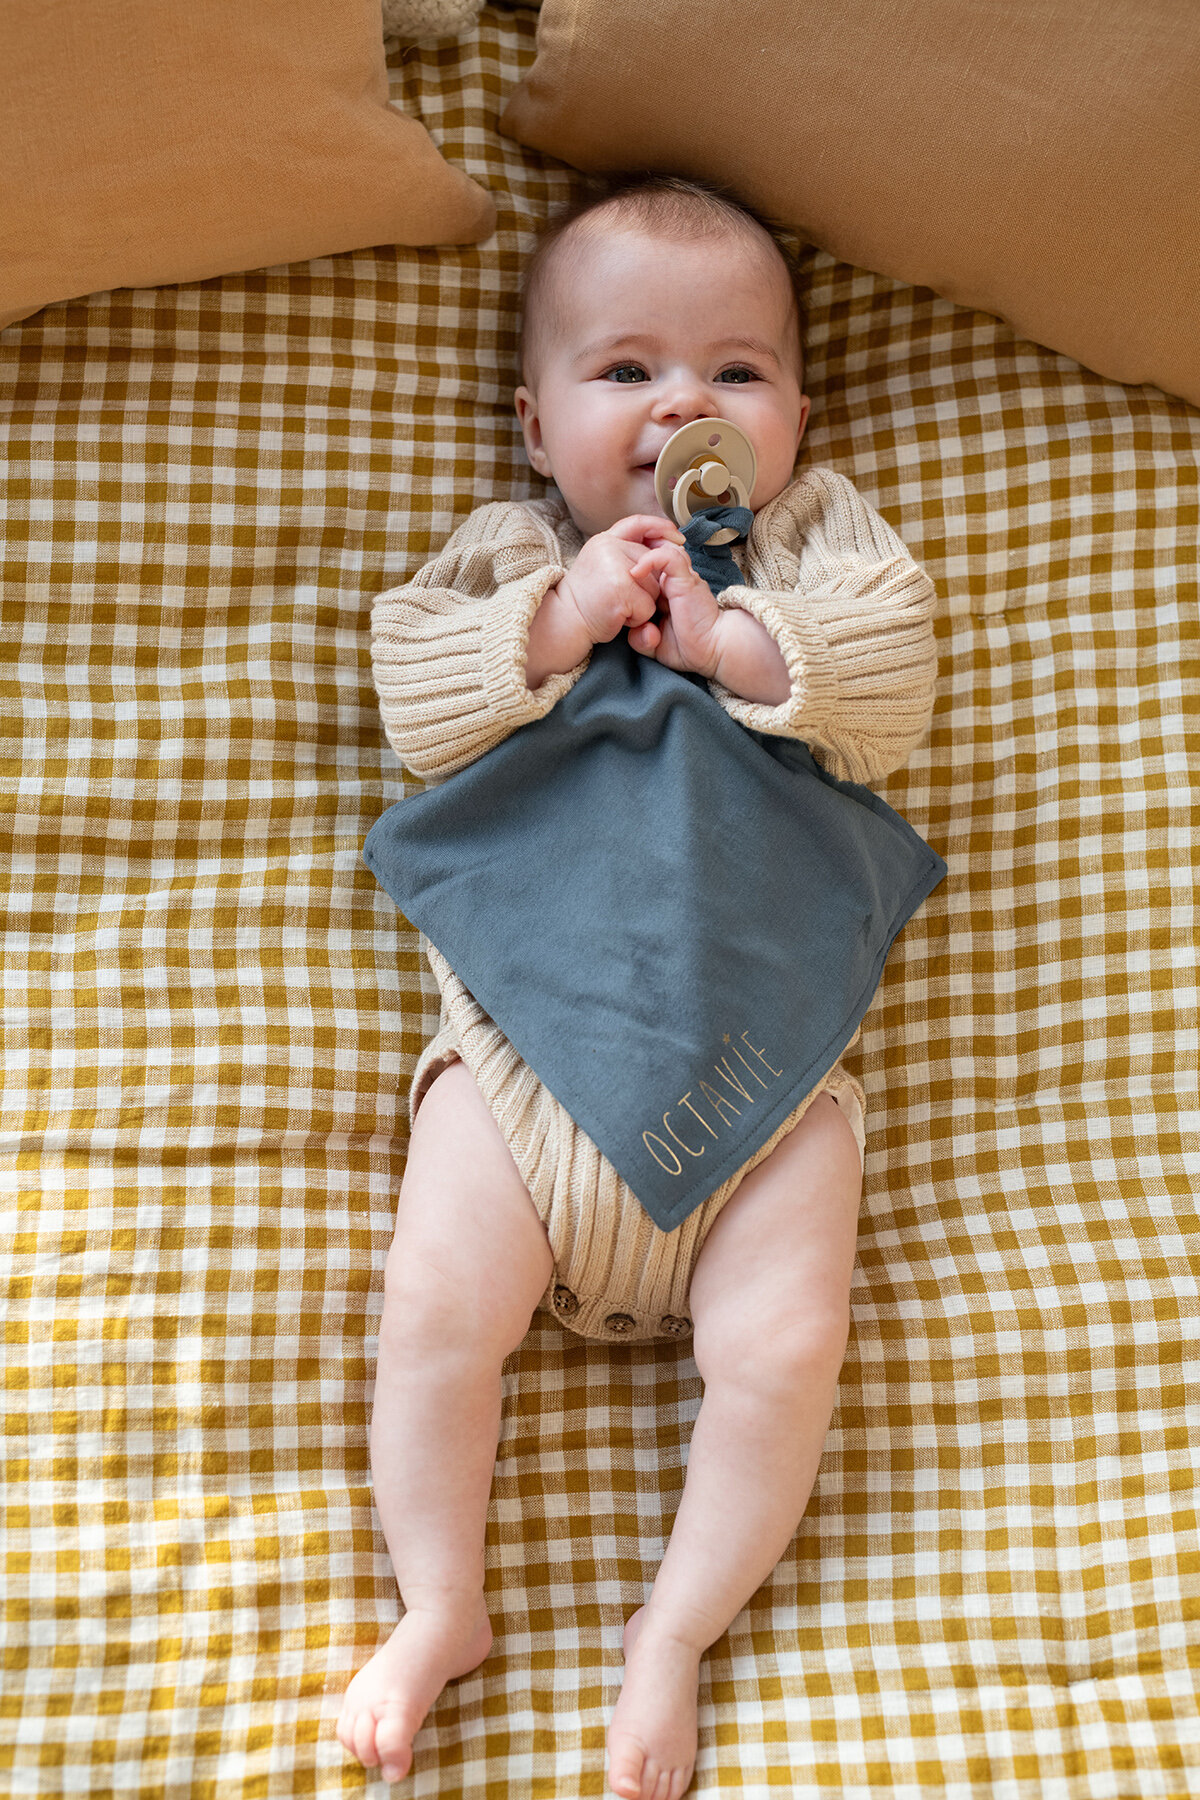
[717, 1096]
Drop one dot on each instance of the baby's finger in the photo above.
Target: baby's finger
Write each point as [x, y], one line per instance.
[641, 526]
[669, 559]
[646, 574]
[645, 637]
[666, 556]
[649, 559]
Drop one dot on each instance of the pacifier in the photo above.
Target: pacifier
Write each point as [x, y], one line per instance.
[710, 462]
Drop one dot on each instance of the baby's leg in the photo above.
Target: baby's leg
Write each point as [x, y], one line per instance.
[770, 1307]
[469, 1262]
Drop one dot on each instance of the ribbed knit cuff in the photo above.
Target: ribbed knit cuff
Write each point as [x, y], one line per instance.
[804, 649]
[504, 645]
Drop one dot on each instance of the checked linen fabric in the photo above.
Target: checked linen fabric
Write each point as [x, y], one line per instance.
[211, 1014]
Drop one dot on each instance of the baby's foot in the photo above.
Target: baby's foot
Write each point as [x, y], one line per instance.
[388, 1698]
[652, 1738]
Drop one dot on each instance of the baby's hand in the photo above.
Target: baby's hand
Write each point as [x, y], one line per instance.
[601, 584]
[688, 637]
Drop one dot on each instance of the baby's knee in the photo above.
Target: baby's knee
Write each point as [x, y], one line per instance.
[422, 1301]
[777, 1353]
[447, 1303]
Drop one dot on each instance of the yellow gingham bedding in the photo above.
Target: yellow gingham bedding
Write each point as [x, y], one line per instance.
[211, 1015]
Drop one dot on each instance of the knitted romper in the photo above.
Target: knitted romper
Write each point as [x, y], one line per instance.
[852, 616]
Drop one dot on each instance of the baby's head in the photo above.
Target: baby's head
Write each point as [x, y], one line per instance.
[661, 301]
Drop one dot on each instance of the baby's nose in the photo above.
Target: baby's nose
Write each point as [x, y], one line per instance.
[683, 404]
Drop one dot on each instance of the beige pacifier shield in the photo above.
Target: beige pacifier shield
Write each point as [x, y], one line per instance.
[703, 461]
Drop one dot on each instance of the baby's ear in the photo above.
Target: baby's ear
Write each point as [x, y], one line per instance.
[805, 409]
[526, 405]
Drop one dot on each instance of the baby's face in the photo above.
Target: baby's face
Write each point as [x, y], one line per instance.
[651, 342]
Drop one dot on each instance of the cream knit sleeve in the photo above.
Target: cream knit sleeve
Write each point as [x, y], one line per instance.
[852, 614]
[448, 648]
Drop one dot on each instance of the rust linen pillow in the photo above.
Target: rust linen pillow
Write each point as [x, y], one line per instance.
[145, 142]
[1036, 159]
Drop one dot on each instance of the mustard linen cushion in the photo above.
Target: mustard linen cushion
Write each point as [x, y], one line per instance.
[145, 144]
[1036, 160]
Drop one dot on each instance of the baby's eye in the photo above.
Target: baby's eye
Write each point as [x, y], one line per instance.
[620, 368]
[740, 370]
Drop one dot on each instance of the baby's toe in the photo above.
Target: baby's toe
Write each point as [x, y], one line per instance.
[626, 1770]
[393, 1743]
[656, 1782]
[363, 1737]
[651, 1789]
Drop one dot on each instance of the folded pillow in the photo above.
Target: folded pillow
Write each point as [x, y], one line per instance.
[144, 142]
[1035, 159]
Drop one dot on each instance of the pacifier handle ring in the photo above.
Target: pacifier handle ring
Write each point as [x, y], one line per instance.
[683, 511]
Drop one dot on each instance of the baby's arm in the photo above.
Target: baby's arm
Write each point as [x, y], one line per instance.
[851, 616]
[448, 648]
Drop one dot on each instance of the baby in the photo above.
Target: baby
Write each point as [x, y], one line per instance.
[661, 302]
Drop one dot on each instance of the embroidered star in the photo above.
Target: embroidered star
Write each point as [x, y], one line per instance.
[725, 1039]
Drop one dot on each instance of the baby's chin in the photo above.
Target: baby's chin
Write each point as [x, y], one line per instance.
[639, 500]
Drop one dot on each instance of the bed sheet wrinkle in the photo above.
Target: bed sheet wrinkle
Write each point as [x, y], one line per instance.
[210, 1017]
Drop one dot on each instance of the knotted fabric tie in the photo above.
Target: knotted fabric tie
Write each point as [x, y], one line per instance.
[714, 563]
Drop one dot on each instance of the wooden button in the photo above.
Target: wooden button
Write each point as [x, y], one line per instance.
[565, 1302]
